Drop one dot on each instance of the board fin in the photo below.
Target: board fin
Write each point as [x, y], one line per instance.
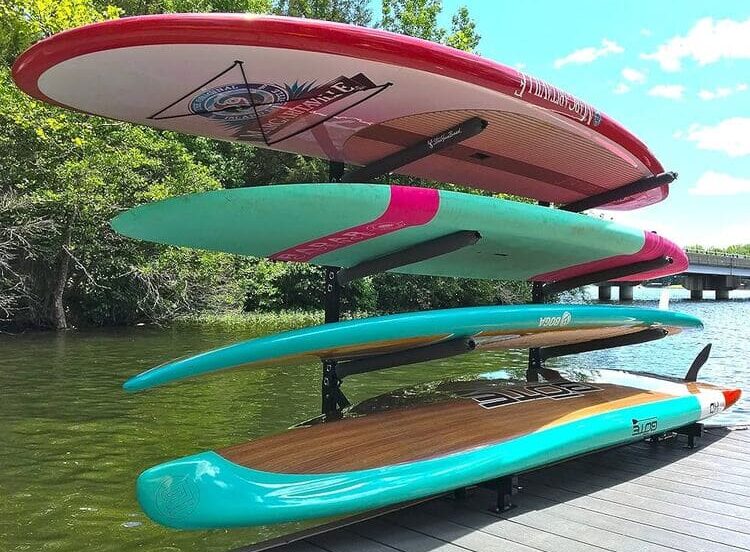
[700, 360]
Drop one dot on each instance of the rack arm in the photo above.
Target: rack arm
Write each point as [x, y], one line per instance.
[414, 254]
[643, 336]
[454, 135]
[435, 351]
[605, 275]
[610, 196]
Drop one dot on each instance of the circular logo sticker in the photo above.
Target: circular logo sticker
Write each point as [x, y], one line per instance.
[177, 498]
[566, 318]
[232, 102]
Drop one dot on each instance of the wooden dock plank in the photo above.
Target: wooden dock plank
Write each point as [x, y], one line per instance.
[543, 530]
[645, 517]
[612, 482]
[478, 520]
[621, 461]
[401, 538]
[686, 486]
[620, 533]
[704, 511]
[639, 498]
[616, 459]
[345, 540]
[449, 531]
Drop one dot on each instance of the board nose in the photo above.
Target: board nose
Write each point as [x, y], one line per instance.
[731, 396]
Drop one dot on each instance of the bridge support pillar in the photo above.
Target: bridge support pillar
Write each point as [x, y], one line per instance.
[697, 283]
[626, 292]
[605, 293]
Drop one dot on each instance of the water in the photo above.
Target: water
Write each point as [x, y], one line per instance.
[71, 442]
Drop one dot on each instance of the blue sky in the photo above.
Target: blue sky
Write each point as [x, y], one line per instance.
[676, 73]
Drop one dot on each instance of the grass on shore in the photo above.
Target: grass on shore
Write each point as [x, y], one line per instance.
[265, 321]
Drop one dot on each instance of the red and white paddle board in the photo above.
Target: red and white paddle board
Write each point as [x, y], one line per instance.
[340, 92]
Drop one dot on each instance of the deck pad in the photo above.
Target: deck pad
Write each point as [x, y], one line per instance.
[340, 92]
[346, 224]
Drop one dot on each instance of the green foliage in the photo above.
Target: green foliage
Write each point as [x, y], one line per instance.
[419, 18]
[254, 322]
[416, 18]
[463, 35]
[23, 22]
[63, 176]
[356, 12]
[75, 173]
[738, 249]
[144, 7]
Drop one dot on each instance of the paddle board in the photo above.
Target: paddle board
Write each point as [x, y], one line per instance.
[496, 327]
[417, 443]
[340, 92]
[346, 224]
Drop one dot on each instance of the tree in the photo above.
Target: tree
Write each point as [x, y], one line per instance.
[356, 12]
[417, 18]
[146, 7]
[72, 173]
[463, 35]
[23, 22]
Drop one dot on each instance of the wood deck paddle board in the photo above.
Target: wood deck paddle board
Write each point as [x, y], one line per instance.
[418, 443]
[340, 92]
[346, 224]
[497, 327]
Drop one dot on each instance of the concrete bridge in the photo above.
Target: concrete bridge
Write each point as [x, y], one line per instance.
[708, 270]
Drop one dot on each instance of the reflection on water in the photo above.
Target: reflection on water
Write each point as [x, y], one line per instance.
[73, 442]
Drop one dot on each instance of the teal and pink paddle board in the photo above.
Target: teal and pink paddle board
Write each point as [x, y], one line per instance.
[344, 93]
[346, 224]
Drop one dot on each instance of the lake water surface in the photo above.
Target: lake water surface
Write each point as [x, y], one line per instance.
[72, 442]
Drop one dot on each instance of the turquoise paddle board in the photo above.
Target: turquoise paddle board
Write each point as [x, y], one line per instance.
[495, 327]
[417, 443]
[345, 224]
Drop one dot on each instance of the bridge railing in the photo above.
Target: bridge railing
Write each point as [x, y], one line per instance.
[716, 253]
[717, 259]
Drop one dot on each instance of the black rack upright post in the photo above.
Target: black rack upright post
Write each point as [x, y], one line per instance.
[331, 396]
[535, 358]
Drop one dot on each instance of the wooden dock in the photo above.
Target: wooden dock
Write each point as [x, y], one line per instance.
[638, 498]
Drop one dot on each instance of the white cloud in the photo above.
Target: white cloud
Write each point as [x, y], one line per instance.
[721, 92]
[621, 88]
[646, 32]
[520, 65]
[668, 91]
[731, 136]
[633, 75]
[706, 233]
[712, 183]
[590, 54]
[707, 42]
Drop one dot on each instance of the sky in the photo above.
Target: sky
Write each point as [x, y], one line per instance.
[675, 73]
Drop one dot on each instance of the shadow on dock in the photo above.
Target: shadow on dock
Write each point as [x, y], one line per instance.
[642, 497]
